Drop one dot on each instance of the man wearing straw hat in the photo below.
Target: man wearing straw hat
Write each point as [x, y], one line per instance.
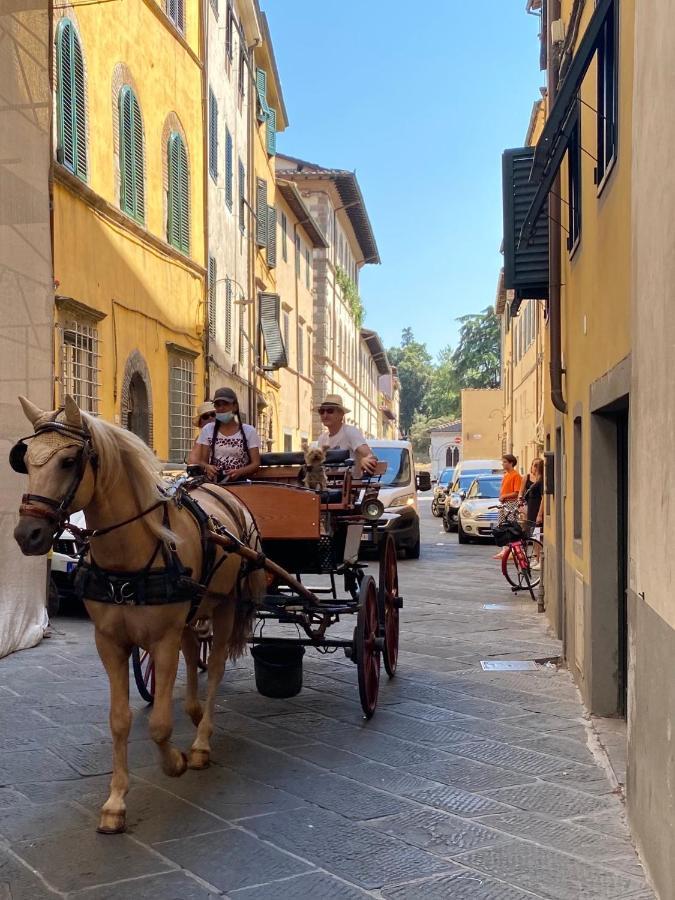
[339, 436]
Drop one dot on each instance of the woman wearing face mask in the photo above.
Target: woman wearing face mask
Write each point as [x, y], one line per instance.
[226, 448]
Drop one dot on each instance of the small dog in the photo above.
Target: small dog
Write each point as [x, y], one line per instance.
[315, 476]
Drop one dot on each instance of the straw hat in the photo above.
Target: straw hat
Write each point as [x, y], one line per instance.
[333, 400]
[206, 407]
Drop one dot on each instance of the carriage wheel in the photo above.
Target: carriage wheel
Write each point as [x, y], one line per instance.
[367, 646]
[388, 603]
[204, 650]
[144, 673]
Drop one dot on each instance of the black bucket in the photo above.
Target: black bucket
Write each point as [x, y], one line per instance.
[278, 669]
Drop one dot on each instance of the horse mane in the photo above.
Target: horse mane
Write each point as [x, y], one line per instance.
[124, 457]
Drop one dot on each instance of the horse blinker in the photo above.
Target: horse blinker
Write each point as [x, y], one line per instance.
[17, 457]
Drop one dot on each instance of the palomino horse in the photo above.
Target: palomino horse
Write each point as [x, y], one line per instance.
[137, 584]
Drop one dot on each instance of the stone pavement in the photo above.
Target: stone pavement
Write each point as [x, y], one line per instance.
[466, 784]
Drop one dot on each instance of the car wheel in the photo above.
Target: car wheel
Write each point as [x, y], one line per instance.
[462, 536]
[446, 523]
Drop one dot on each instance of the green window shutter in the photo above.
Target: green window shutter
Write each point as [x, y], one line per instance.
[261, 212]
[79, 110]
[228, 168]
[212, 297]
[139, 181]
[271, 129]
[284, 237]
[64, 60]
[228, 314]
[261, 89]
[178, 225]
[213, 135]
[271, 237]
[270, 310]
[242, 197]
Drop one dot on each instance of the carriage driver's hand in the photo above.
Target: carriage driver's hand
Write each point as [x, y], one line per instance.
[367, 460]
[211, 471]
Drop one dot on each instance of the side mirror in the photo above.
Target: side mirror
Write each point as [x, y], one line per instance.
[462, 494]
[423, 481]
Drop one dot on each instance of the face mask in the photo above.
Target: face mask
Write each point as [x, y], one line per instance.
[225, 417]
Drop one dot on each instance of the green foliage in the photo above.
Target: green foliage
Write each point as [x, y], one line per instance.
[420, 435]
[350, 295]
[477, 359]
[415, 371]
[443, 398]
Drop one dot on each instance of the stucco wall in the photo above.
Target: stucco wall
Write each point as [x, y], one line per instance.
[651, 762]
[26, 289]
[482, 423]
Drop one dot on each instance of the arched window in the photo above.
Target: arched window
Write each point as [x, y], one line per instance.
[71, 149]
[132, 186]
[178, 223]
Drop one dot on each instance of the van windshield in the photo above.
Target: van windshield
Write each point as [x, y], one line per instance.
[398, 465]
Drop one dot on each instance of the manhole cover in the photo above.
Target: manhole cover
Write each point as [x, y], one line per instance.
[508, 665]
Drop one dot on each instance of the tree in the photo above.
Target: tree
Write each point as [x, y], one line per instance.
[477, 357]
[443, 397]
[414, 366]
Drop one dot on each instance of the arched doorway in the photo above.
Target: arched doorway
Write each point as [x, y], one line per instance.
[451, 456]
[138, 408]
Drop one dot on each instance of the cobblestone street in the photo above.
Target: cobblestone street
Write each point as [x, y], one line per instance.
[466, 784]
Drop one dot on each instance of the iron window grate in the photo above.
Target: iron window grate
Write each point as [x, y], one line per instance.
[181, 402]
[80, 364]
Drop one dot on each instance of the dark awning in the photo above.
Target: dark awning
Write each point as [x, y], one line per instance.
[554, 138]
[270, 310]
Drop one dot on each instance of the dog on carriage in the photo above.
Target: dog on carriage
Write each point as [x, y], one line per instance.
[314, 472]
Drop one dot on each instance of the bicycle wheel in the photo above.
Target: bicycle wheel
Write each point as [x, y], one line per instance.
[512, 571]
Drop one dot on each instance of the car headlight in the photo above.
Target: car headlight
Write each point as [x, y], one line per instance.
[403, 500]
[455, 501]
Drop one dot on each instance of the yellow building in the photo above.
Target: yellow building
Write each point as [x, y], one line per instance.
[297, 236]
[576, 253]
[481, 423]
[268, 117]
[128, 222]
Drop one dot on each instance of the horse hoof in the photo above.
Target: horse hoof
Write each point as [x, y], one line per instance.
[180, 766]
[112, 823]
[199, 759]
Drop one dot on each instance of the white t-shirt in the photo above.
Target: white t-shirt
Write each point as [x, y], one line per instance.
[229, 453]
[347, 438]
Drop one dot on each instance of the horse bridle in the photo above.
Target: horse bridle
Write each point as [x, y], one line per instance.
[57, 511]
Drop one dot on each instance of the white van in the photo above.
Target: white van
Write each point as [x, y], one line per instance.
[398, 493]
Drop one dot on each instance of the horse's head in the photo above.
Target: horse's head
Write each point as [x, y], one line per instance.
[59, 461]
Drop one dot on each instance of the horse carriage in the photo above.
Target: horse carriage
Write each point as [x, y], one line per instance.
[311, 533]
[159, 562]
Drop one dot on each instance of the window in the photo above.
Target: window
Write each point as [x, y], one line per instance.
[242, 197]
[242, 70]
[178, 222]
[574, 188]
[71, 150]
[228, 169]
[213, 135]
[307, 268]
[286, 319]
[578, 476]
[607, 100]
[284, 237]
[228, 314]
[301, 349]
[298, 254]
[309, 355]
[175, 10]
[132, 185]
[212, 297]
[181, 405]
[288, 442]
[79, 363]
[261, 212]
[214, 4]
[229, 32]
[271, 236]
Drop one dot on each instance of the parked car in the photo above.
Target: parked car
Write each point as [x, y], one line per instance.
[440, 488]
[62, 566]
[465, 472]
[398, 493]
[475, 517]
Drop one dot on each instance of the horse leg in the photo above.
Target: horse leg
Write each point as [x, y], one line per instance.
[223, 620]
[190, 647]
[115, 659]
[165, 656]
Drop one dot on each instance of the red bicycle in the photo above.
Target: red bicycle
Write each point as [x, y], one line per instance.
[522, 553]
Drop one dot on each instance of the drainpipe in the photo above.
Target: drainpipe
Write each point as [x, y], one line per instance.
[555, 365]
[204, 55]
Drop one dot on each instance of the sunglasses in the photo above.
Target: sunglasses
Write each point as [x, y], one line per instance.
[210, 415]
[327, 409]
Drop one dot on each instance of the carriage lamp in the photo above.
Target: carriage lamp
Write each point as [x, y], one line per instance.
[372, 510]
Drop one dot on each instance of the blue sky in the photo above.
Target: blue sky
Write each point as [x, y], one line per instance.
[420, 101]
